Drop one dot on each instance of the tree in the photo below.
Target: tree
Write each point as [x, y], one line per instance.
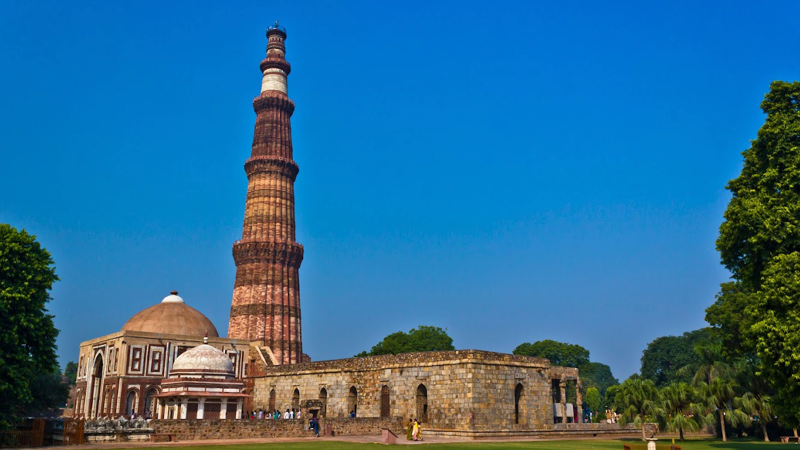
[672, 359]
[71, 372]
[720, 397]
[597, 375]
[421, 339]
[759, 243]
[639, 400]
[592, 399]
[776, 333]
[559, 353]
[760, 407]
[680, 408]
[27, 333]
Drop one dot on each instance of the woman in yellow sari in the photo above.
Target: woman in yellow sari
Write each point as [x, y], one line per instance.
[415, 432]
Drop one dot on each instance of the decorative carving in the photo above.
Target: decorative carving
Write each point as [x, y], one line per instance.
[271, 164]
[273, 99]
[289, 253]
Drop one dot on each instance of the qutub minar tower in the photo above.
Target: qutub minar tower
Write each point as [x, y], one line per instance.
[266, 295]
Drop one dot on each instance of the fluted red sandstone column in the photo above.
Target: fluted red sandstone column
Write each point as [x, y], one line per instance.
[266, 294]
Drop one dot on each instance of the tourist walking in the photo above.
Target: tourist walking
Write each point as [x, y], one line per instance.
[415, 430]
[409, 429]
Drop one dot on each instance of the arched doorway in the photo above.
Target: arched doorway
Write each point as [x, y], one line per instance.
[385, 409]
[422, 403]
[130, 403]
[517, 397]
[352, 402]
[96, 385]
[323, 397]
[296, 400]
[149, 403]
[272, 407]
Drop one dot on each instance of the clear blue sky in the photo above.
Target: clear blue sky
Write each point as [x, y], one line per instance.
[510, 171]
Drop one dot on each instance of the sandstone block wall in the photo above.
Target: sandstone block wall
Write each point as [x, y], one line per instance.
[243, 429]
[466, 390]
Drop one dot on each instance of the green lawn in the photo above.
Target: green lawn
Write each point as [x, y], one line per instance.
[704, 444]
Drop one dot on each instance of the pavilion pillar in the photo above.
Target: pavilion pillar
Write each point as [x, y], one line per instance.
[223, 411]
[239, 409]
[578, 402]
[158, 408]
[562, 387]
[184, 407]
[201, 407]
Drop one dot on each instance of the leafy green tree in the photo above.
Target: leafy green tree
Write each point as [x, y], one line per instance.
[420, 339]
[48, 392]
[776, 333]
[559, 353]
[27, 333]
[597, 375]
[610, 398]
[639, 400]
[763, 217]
[720, 397]
[592, 399]
[759, 243]
[760, 407]
[680, 407]
[712, 364]
[672, 359]
[71, 372]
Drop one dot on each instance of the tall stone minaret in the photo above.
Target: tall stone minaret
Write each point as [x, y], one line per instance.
[266, 294]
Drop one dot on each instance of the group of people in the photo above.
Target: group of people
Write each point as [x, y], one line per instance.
[414, 430]
[261, 414]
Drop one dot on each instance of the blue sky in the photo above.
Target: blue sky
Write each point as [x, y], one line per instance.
[510, 171]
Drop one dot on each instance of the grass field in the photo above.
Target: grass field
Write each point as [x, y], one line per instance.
[704, 444]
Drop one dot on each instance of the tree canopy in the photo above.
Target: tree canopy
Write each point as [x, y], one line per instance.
[421, 339]
[559, 353]
[673, 359]
[759, 242]
[27, 333]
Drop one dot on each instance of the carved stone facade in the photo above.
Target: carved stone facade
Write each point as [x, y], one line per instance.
[266, 296]
[464, 392]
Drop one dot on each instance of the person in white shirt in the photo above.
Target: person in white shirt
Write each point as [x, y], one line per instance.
[286, 415]
[298, 414]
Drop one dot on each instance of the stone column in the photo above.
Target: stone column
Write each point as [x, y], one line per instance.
[201, 407]
[239, 409]
[176, 410]
[158, 409]
[223, 412]
[184, 407]
[578, 402]
[562, 387]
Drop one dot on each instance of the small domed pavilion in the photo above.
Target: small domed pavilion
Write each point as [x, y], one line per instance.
[202, 385]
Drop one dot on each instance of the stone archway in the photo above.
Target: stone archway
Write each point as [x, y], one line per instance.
[149, 403]
[422, 403]
[352, 402]
[96, 386]
[385, 407]
[130, 403]
[272, 406]
[323, 397]
[296, 400]
[518, 393]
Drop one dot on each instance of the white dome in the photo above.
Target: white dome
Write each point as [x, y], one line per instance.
[172, 298]
[203, 360]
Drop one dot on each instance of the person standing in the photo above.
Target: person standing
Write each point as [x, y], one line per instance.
[409, 429]
[415, 430]
[286, 414]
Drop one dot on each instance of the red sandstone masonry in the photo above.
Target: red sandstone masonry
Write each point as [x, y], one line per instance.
[266, 295]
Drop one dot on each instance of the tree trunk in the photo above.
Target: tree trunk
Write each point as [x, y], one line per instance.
[681, 432]
[764, 429]
[722, 423]
[795, 432]
[643, 435]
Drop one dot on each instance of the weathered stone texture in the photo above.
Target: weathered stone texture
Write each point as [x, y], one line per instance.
[268, 428]
[466, 390]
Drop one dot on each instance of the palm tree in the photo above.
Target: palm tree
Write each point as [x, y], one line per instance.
[677, 400]
[712, 364]
[759, 406]
[719, 396]
[639, 400]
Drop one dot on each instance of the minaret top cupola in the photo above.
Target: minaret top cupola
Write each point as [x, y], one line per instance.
[274, 67]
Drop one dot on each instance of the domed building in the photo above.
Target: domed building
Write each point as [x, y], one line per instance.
[202, 385]
[122, 373]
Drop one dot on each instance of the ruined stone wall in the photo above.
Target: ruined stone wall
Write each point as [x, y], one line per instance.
[466, 390]
[187, 430]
